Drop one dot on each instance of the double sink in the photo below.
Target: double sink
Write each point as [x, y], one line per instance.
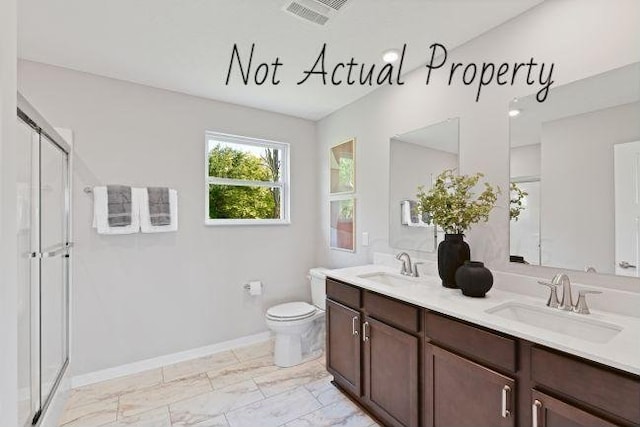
[549, 319]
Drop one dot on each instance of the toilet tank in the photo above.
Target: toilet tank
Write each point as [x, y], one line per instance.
[317, 278]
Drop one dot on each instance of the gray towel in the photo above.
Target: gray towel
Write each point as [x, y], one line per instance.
[119, 205]
[159, 206]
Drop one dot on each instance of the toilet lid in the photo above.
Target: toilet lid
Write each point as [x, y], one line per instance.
[291, 310]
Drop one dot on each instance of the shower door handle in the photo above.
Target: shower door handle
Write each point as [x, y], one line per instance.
[625, 264]
[63, 249]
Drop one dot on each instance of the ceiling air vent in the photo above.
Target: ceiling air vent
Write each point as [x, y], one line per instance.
[316, 11]
[333, 4]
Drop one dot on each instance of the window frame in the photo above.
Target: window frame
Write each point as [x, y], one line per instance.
[283, 184]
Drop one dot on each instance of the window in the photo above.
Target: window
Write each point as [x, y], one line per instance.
[247, 180]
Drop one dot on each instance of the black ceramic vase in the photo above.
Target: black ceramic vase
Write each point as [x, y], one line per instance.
[453, 251]
[474, 279]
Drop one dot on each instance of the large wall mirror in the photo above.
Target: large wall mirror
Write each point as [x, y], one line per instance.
[575, 175]
[416, 158]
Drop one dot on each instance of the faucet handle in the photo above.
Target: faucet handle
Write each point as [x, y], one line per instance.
[581, 306]
[553, 294]
[416, 273]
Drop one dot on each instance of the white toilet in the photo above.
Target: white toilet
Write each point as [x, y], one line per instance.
[299, 326]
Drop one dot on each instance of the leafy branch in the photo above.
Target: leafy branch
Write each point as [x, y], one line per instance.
[453, 205]
[516, 205]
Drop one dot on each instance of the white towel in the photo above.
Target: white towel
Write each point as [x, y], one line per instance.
[145, 217]
[406, 213]
[101, 213]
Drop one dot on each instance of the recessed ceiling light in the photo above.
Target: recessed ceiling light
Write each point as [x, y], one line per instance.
[514, 113]
[390, 55]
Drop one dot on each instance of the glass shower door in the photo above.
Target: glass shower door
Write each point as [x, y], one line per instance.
[28, 274]
[54, 265]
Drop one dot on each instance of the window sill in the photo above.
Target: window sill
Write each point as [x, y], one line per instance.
[235, 222]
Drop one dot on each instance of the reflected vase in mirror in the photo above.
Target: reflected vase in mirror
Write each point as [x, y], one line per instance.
[453, 251]
[474, 279]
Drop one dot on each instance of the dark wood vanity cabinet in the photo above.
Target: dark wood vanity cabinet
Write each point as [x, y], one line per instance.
[470, 375]
[411, 367]
[391, 373]
[585, 393]
[373, 352]
[463, 393]
[343, 346]
[551, 412]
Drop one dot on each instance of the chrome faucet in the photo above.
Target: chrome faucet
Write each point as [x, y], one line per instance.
[581, 306]
[566, 303]
[406, 269]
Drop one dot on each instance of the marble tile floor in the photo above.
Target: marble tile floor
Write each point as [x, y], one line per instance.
[236, 388]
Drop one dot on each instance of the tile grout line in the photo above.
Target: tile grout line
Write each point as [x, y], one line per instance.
[176, 401]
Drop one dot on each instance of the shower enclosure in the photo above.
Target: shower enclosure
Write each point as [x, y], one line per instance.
[44, 248]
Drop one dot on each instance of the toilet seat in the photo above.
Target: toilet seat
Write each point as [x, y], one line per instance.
[291, 311]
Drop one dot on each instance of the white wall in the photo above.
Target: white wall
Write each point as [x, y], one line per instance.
[8, 227]
[577, 190]
[525, 161]
[142, 296]
[576, 35]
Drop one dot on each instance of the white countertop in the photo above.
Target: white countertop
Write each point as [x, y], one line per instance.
[621, 352]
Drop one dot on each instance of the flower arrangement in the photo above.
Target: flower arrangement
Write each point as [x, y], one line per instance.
[452, 204]
[516, 206]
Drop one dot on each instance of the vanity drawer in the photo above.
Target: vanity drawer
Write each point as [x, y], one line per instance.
[605, 389]
[343, 293]
[471, 341]
[393, 312]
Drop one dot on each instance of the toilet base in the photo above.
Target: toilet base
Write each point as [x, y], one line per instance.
[287, 351]
[298, 341]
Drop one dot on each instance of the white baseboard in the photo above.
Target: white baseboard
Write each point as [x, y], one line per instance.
[169, 359]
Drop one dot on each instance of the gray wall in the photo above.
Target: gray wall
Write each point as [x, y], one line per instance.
[8, 226]
[142, 296]
[563, 31]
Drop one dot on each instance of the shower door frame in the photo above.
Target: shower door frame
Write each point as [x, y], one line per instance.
[47, 134]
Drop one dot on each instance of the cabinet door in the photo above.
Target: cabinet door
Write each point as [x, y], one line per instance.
[462, 393]
[343, 346]
[550, 412]
[391, 373]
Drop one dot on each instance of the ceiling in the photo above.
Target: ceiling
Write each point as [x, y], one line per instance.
[185, 46]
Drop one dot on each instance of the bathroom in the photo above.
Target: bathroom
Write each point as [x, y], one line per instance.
[172, 328]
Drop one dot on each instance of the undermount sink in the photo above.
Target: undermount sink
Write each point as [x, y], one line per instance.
[389, 279]
[558, 321]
